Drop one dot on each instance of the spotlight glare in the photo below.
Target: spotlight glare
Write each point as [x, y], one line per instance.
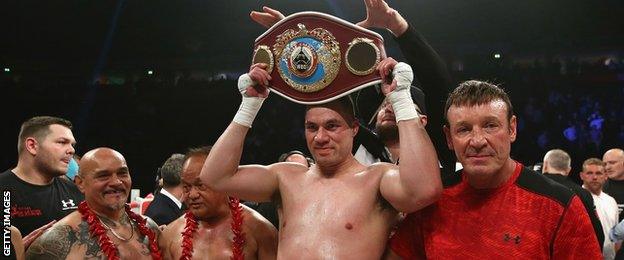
[497, 56]
[7, 70]
[150, 72]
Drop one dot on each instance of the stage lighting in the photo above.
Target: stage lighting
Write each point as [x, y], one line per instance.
[150, 72]
[497, 56]
[7, 70]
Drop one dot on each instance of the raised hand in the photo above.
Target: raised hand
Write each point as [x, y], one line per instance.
[260, 81]
[380, 15]
[385, 71]
[254, 87]
[397, 90]
[267, 18]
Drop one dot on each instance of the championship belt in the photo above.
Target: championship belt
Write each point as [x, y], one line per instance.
[315, 58]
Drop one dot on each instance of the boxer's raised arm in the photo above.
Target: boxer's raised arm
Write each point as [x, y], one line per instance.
[221, 171]
[417, 182]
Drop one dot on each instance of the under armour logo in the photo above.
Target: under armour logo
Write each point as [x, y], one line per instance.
[508, 238]
[67, 204]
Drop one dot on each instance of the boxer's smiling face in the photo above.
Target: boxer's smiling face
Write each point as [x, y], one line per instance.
[328, 135]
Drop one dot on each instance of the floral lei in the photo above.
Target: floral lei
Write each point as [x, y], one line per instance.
[99, 232]
[237, 223]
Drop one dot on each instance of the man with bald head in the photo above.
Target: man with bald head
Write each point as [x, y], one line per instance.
[103, 226]
[614, 168]
[556, 166]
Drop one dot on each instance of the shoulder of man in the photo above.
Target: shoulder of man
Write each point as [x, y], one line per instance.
[151, 224]
[173, 229]
[287, 168]
[7, 178]
[260, 228]
[536, 183]
[57, 241]
[68, 186]
[255, 221]
[450, 179]
[382, 168]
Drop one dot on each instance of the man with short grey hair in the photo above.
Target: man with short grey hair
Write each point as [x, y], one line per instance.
[614, 168]
[556, 166]
[167, 204]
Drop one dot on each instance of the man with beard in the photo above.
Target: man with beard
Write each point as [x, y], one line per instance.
[387, 129]
[594, 177]
[104, 226]
[38, 194]
[215, 226]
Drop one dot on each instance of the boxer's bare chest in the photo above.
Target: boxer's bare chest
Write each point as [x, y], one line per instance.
[215, 243]
[135, 248]
[344, 202]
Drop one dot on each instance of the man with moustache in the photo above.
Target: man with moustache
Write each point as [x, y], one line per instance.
[494, 207]
[215, 226]
[103, 226]
[38, 194]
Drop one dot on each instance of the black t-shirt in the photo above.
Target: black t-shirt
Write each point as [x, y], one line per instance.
[616, 190]
[33, 206]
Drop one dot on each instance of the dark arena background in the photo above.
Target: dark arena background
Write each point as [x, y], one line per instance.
[152, 78]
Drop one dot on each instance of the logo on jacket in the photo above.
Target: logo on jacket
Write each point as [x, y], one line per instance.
[515, 239]
[68, 204]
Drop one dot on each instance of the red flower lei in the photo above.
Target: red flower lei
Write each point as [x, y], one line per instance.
[237, 229]
[106, 245]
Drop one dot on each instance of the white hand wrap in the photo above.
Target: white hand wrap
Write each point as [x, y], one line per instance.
[249, 105]
[401, 97]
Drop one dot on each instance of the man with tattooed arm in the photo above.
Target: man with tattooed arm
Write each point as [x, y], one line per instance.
[103, 227]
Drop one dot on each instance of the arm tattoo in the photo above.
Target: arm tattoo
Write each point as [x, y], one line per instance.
[144, 240]
[53, 244]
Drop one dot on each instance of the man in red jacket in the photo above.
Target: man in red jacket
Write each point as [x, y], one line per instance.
[495, 207]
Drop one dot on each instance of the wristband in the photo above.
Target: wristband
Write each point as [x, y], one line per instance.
[249, 106]
[401, 98]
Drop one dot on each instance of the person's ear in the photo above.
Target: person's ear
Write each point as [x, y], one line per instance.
[31, 145]
[79, 181]
[447, 134]
[355, 127]
[423, 120]
[512, 128]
